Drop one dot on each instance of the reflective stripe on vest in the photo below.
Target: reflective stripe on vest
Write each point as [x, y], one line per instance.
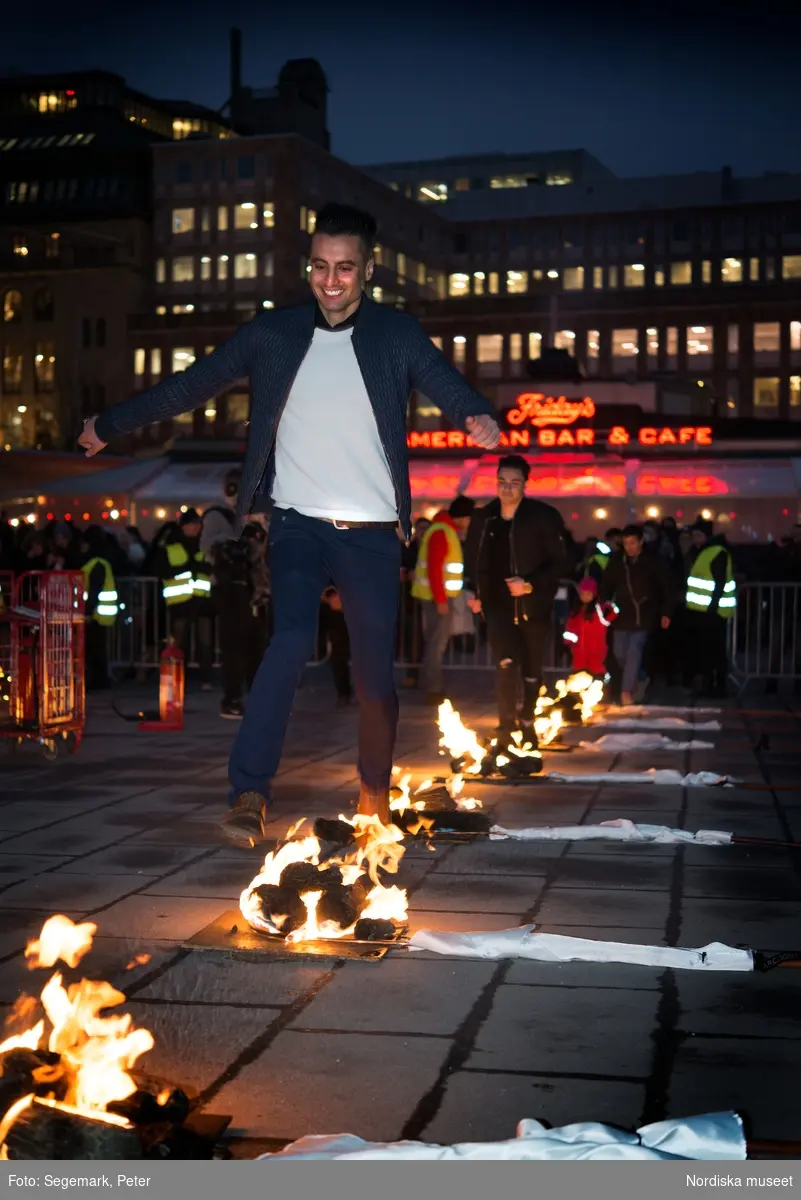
[180, 586]
[701, 584]
[453, 566]
[107, 600]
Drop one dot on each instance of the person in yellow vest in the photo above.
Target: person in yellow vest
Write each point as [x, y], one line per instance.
[186, 591]
[101, 605]
[438, 578]
[710, 599]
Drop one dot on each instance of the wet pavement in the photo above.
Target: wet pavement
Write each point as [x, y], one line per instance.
[417, 1045]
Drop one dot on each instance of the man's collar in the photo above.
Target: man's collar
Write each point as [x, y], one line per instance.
[320, 321]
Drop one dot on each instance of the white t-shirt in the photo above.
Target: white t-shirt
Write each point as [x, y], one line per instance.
[329, 461]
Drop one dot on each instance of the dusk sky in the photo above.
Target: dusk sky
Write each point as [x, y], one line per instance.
[646, 94]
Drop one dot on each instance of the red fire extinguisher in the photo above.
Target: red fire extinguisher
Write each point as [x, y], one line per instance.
[171, 691]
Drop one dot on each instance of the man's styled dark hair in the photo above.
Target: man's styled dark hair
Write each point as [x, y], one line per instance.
[462, 506]
[515, 462]
[633, 531]
[342, 220]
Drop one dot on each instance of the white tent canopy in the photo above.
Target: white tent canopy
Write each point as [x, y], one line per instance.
[156, 480]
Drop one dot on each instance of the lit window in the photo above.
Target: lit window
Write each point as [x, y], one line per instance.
[558, 178]
[458, 284]
[770, 269]
[269, 265]
[795, 335]
[634, 275]
[791, 266]
[44, 367]
[733, 341]
[378, 294]
[161, 270]
[515, 347]
[205, 267]
[12, 306]
[183, 220]
[459, 350]
[534, 345]
[155, 362]
[268, 216]
[160, 310]
[245, 266]
[222, 217]
[753, 269]
[652, 342]
[428, 193]
[699, 339]
[489, 348]
[731, 270]
[593, 343]
[461, 185]
[182, 358]
[516, 282]
[222, 266]
[479, 279]
[205, 220]
[795, 393]
[311, 223]
[421, 275]
[672, 346]
[183, 308]
[183, 269]
[12, 371]
[706, 271]
[573, 279]
[401, 268]
[505, 181]
[303, 218]
[766, 396]
[681, 272]
[437, 341]
[597, 278]
[494, 283]
[246, 215]
[624, 343]
[140, 359]
[766, 337]
[612, 277]
[659, 276]
[564, 339]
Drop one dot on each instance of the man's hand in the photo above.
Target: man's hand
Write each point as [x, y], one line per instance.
[443, 609]
[89, 441]
[484, 431]
[665, 622]
[474, 604]
[517, 586]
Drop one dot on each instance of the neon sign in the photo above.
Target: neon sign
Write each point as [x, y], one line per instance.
[524, 439]
[541, 410]
[680, 485]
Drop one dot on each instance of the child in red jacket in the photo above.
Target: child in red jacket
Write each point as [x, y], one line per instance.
[586, 630]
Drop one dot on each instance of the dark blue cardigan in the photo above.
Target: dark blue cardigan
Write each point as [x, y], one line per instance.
[395, 357]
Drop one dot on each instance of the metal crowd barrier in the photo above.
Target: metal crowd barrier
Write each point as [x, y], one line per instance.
[145, 622]
[765, 640]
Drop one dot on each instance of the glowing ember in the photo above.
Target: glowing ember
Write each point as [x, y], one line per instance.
[547, 727]
[95, 1053]
[459, 741]
[588, 692]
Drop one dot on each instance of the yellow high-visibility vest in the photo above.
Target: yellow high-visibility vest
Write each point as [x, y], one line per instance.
[107, 601]
[701, 584]
[453, 565]
[179, 587]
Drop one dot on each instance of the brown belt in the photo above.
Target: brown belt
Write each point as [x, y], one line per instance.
[359, 524]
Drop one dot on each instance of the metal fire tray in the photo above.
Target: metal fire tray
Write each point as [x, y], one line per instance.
[230, 934]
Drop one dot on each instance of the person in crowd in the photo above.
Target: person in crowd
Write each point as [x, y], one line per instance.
[410, 640]
[599, 552]
[514, 556]
[334, 630]
[34, 554]
[639, 583]
[327, 449]
[438, 577]
[241, 591]
[587, 629]
[101, 605]
[710, 600]
[186, 588]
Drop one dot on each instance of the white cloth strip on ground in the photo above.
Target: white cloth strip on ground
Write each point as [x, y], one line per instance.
[665, 777]
[658, 723]
[615, 743]
[621, 830]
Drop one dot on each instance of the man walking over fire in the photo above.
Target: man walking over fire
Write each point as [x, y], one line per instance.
[330, 383]
[514, 556]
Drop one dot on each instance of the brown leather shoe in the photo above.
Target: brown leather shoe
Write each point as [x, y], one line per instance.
[243, 825]
[374, 802]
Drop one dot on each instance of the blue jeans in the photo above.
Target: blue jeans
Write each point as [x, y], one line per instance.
[629, 648]
[305, 557]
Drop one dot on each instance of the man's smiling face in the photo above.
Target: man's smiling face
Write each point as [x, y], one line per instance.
[340, 267]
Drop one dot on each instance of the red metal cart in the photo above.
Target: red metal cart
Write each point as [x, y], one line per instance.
[42, 690]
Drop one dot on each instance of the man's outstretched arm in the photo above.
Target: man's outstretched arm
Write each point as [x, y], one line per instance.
[180, 393]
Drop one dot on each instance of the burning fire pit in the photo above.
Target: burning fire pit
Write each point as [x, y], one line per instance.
[437, 806]
[69, 1087]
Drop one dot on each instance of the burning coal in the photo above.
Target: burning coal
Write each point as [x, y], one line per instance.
[472, 756]
[328, 885]
[576, 699]
[437, 806]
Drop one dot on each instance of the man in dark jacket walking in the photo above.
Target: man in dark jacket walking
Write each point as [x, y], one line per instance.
[514, 556]
[639, 582]
[330, 383]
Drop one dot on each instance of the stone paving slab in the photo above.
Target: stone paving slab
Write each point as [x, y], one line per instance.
[58, 890]
[513, 894]
[759, 924]
[207, 978]
[599, 906]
